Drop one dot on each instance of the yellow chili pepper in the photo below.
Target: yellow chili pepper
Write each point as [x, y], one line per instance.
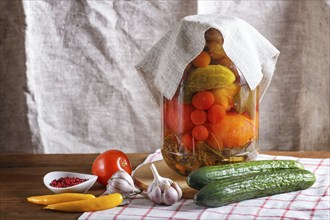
[57, 198]
[89, 205]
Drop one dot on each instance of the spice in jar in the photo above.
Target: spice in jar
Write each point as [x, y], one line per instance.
[64, 182]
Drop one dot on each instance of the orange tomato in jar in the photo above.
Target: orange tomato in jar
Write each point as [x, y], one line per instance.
[202, 60]
[233, 130]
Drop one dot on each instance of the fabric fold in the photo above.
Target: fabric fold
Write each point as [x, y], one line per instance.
[163, 66]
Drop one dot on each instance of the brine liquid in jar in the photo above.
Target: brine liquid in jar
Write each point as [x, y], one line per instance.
[213, 117]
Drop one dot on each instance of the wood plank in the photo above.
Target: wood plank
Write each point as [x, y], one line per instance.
[302, 154]
[64, 160]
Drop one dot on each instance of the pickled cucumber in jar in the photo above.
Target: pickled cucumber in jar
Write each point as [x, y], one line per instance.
[213, 117]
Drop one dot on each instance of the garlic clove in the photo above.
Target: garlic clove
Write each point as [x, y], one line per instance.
[151, 187]
[111, 189]
[166, 183]
[123, 184]
[123, 175]
[127, 194]
[178, 189]
[170, 196]
[156, 195]
[120, 186]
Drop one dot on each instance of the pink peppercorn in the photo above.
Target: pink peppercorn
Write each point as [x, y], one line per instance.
[66, 182]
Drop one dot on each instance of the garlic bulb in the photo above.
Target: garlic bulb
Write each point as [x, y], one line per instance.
[121, 182]
[163, 190]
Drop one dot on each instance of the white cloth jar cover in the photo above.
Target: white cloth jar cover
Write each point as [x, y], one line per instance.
[163, 66]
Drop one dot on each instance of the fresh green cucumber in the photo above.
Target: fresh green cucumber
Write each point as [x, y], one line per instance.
[202, 176]
[223, 192]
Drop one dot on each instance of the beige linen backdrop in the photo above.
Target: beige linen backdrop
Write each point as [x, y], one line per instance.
[69, 85]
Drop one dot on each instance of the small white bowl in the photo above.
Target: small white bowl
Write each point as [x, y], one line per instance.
[79, 188]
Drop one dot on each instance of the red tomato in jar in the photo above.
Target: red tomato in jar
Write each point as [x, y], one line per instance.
[177, 116]
[109, 162]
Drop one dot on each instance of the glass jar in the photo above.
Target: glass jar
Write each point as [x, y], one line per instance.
[213, 117]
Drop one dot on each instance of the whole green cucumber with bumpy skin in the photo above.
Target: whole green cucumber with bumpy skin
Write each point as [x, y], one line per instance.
[204, 175]
[223, 192]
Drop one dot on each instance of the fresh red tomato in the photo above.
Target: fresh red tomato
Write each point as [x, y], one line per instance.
[109, 162]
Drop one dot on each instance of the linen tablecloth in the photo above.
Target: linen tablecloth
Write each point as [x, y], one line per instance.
[312, 203]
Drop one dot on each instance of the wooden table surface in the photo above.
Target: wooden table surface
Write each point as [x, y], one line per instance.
[21, 176]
